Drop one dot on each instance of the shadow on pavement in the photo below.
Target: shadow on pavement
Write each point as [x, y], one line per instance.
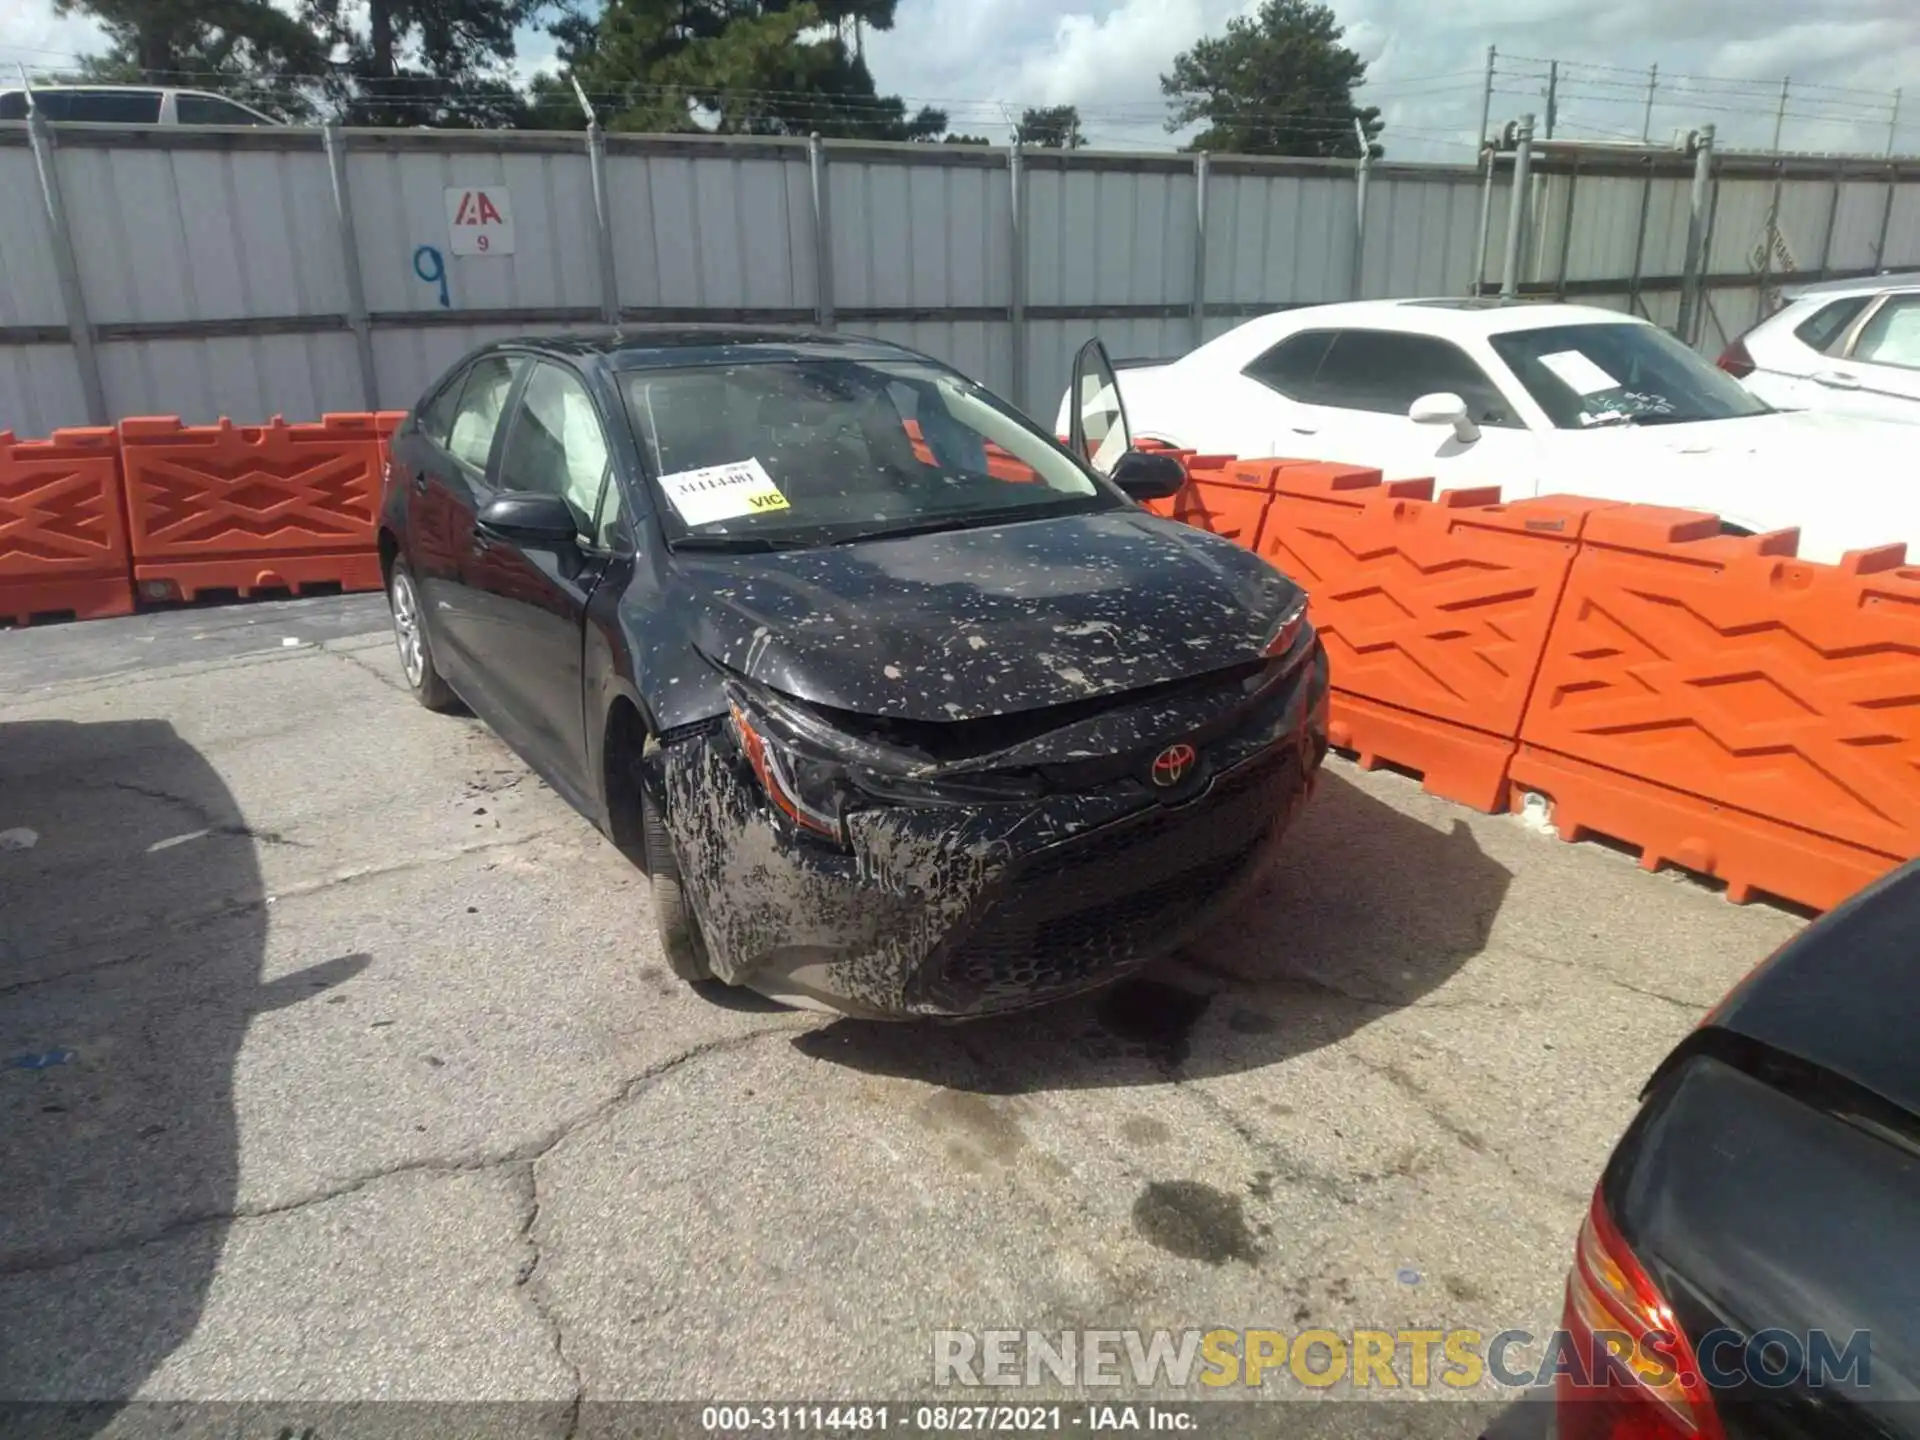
[1366, 911]
[132, 938]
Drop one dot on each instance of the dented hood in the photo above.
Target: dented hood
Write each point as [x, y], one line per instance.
[964, 624]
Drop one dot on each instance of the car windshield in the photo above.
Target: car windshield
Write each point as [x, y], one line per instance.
[821, 451]
[1589, 375]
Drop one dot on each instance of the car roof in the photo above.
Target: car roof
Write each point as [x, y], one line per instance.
[1863, 285]
[39, 89]
[1448, 317]
[645, 347]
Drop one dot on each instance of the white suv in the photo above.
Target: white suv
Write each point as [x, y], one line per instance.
[1848, 347]
[130, 105]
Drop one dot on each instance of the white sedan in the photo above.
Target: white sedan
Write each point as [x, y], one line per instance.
[1846, 347]
[1539, 399]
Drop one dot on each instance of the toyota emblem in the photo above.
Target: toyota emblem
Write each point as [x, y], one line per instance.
[1171, 765]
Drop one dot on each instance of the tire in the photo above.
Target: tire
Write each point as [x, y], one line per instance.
[416, 650]
[680, 938]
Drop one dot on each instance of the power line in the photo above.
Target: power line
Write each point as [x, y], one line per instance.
[1772, 84]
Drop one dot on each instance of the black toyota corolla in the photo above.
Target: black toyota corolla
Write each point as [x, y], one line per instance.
[904, 709]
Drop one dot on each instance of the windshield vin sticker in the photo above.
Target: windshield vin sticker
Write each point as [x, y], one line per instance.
[1585, 377]
[722, 492]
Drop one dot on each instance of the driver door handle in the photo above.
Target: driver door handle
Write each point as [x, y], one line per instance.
[1838, 379]
[419, 480]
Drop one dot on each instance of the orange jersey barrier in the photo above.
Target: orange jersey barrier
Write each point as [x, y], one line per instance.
[1711, 700]
[63, 533]
[1001, 464]
[1730, 708]
[273, 506]
[1434, 612]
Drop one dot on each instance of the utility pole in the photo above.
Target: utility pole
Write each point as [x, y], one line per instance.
[1893, 123]
[1486, 96]
[1553, 93]
[1780, 115]
[1646, 125]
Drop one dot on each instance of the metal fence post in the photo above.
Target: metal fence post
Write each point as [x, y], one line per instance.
[1640, 240]
[1771, 240]
[79, 327]
[1517, 209]
[1200, 168]
[603, 221]
[1566, 229]
[822, 233]
[1360, 177]
[1893, 185]
[350, 266]
[1017, 275]
[1695, 270]
[1833, 217]
[1492, 153]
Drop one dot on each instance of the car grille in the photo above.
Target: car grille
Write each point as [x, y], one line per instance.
[1065, 917]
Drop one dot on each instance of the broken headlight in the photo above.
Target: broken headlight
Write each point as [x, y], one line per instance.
[808, 790]
[1286, 633]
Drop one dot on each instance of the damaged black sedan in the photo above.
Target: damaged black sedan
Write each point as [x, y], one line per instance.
[904, 708]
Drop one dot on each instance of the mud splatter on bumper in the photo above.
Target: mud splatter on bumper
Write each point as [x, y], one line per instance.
[967, 909]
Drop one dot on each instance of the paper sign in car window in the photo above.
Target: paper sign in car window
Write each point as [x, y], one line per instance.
[722, 492]
[1585, 377]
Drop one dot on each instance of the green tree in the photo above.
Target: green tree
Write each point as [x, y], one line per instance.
[1279, 82]
[424, 62]
[1053, 127]
[740, 67]
[246, 48]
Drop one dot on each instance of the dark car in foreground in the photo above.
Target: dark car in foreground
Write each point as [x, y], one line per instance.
[905, 709]
[1754, 1244]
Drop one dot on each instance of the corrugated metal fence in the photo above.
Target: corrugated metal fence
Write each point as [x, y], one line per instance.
[255, 272]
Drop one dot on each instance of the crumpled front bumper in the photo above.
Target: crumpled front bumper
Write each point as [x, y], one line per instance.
[958, 910]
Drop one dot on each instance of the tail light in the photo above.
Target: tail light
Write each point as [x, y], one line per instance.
[1654, 1392]
[1736, 360]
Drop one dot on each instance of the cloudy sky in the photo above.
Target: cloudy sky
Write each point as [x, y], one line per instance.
[1720, 60]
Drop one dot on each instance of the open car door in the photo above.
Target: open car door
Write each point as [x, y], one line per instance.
[1098, 423]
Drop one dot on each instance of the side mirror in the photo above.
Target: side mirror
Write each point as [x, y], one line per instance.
[1147, 476]
[1443, 407]
[537, 519]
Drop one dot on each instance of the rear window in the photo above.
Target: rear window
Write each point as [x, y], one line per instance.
[13, 105]
[1822, 329]
[192, 109]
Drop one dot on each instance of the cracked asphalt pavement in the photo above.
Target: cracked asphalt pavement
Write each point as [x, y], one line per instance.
[339, 1062]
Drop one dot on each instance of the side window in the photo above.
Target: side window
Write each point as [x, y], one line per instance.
[435, 418]
[556, 445]
[483, 400]
[609, 533]
[1892, 335]
[1822, 329]
[1385, 371]
[1290, 366]
[191, 109]
[115, 107]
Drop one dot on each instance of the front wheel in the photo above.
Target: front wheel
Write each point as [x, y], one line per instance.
[410, 638]
[680, 938]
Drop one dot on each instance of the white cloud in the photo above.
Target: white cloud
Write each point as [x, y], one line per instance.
[33, 36]
[985, 60]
